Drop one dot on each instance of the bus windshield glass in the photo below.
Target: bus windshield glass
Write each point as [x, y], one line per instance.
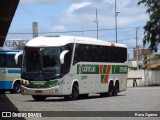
[44, 61]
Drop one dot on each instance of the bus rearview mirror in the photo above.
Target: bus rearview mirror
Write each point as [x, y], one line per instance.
[62, 55]
[16, 57]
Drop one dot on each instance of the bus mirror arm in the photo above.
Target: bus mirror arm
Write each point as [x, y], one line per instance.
[16, 56]
[62, 55]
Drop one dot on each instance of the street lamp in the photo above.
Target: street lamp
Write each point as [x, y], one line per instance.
[116, 14]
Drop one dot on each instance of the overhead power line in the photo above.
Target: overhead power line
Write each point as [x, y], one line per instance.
[72, 31]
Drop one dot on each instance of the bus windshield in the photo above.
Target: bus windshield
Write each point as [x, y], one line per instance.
[44, 61]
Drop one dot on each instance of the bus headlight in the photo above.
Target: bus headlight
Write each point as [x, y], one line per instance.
[53, 85]
[25, 82]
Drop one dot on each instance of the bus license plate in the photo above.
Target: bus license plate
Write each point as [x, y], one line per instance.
[38, 91]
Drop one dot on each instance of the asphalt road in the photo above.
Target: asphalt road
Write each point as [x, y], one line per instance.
[146, 99]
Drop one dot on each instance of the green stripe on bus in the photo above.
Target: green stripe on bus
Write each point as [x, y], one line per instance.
[94, 69]
[102, 78]
[51, 82]
[104, 69]
[120, 69]
[113, 69]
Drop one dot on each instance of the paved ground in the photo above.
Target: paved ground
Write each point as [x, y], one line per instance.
[134, 99]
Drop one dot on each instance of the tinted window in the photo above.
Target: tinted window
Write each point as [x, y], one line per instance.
[2, 60]
[95, 53]
[10, 62]
[7, 60]
[68, 58]
[42, 59]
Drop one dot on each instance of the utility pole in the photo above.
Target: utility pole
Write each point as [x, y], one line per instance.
[137, 47]
[82, 32]
[116, 18]
[116, 14]
[97, 22]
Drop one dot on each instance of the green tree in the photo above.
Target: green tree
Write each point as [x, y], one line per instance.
[152, 27]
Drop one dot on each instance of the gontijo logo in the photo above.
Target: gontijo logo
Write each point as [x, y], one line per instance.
[87, 69]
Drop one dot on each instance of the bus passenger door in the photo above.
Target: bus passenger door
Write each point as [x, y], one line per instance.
[92, 83]
[83, 83]
[81, 78]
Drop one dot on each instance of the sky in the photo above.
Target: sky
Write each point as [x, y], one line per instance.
[63, 17]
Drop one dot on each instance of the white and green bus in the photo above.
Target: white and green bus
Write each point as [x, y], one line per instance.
[73, 67]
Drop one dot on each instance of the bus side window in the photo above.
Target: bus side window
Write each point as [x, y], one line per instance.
[20, 61]
[2, 61]
[107, 54]
[77, 54]
[67, 58]
[67, 63]
[10, 61]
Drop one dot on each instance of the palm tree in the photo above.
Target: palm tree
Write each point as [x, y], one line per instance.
[152, 27]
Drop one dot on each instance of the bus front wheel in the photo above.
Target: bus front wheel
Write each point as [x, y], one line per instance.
[74, 95]
[2, 91]
[39, 98]
[16, 87]
[83, 96]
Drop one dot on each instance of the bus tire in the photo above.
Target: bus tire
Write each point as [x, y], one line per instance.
[103, 94]
[83, 96]
[110, 89]
[2, 91]
[16, 87]
[116, 89]
[39, 97]
[74, 95]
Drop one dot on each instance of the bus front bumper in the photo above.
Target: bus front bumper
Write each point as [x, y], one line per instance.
[40, 91]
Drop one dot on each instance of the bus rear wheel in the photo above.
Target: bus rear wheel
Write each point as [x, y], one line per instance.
[16, 87]
[74, 95]
[83, 96]
[39, 98]
[116, 89]
[103, 94]
[110, 89]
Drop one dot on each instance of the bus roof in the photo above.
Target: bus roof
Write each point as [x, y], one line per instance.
[9, 51]
[63, 40]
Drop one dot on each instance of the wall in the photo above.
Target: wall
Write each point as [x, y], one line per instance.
[14, 43]
[149, 77]
[152, 77]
